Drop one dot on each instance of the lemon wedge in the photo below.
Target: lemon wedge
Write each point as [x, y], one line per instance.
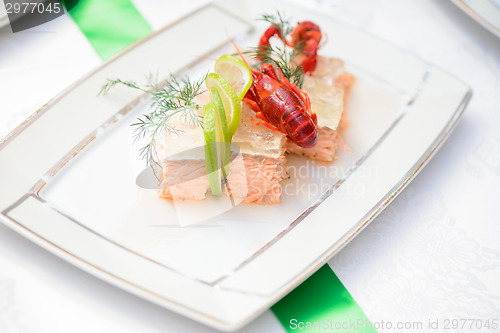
[231, 102]
[211, 158]
[236, 72]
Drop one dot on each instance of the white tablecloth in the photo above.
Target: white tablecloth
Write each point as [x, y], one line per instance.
[433, 254]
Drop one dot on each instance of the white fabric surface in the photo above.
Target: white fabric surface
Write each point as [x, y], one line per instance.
[434, 253]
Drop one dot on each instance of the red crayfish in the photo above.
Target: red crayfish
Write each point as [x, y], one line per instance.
[305, 32]
[282, 106]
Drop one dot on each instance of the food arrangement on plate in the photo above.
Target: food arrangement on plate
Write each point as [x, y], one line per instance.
[259, 105]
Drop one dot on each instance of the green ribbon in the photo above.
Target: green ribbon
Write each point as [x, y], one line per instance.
[321, 304]
[109, 25]
[112, 25]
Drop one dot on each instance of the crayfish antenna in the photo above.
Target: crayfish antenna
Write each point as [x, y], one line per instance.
[324, 40]
[237, 50]
[206, 58]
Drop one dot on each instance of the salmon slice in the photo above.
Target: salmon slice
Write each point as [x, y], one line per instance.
[257, 179]
[251, 179]
[327, 88]
[182, 159]
[184, 179]
[329, 142]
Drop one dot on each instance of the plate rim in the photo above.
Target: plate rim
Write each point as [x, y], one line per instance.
[477, 17]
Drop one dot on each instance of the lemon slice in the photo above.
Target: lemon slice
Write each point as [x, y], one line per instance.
[221, 117]
[211, 159]
[221, 132]
[236, 72]
[230, 101]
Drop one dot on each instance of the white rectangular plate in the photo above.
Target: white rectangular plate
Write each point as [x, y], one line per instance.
[68, 173]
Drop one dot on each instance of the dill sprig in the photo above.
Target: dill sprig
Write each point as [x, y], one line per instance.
[280, 56]
[278, 20]
[281, 59]
[172, 98]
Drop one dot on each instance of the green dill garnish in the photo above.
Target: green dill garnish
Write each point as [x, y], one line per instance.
[279, 55]
[173, 98]
[281, 59]
[278, 20]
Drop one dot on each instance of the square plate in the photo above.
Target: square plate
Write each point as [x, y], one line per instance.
[69, 173]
